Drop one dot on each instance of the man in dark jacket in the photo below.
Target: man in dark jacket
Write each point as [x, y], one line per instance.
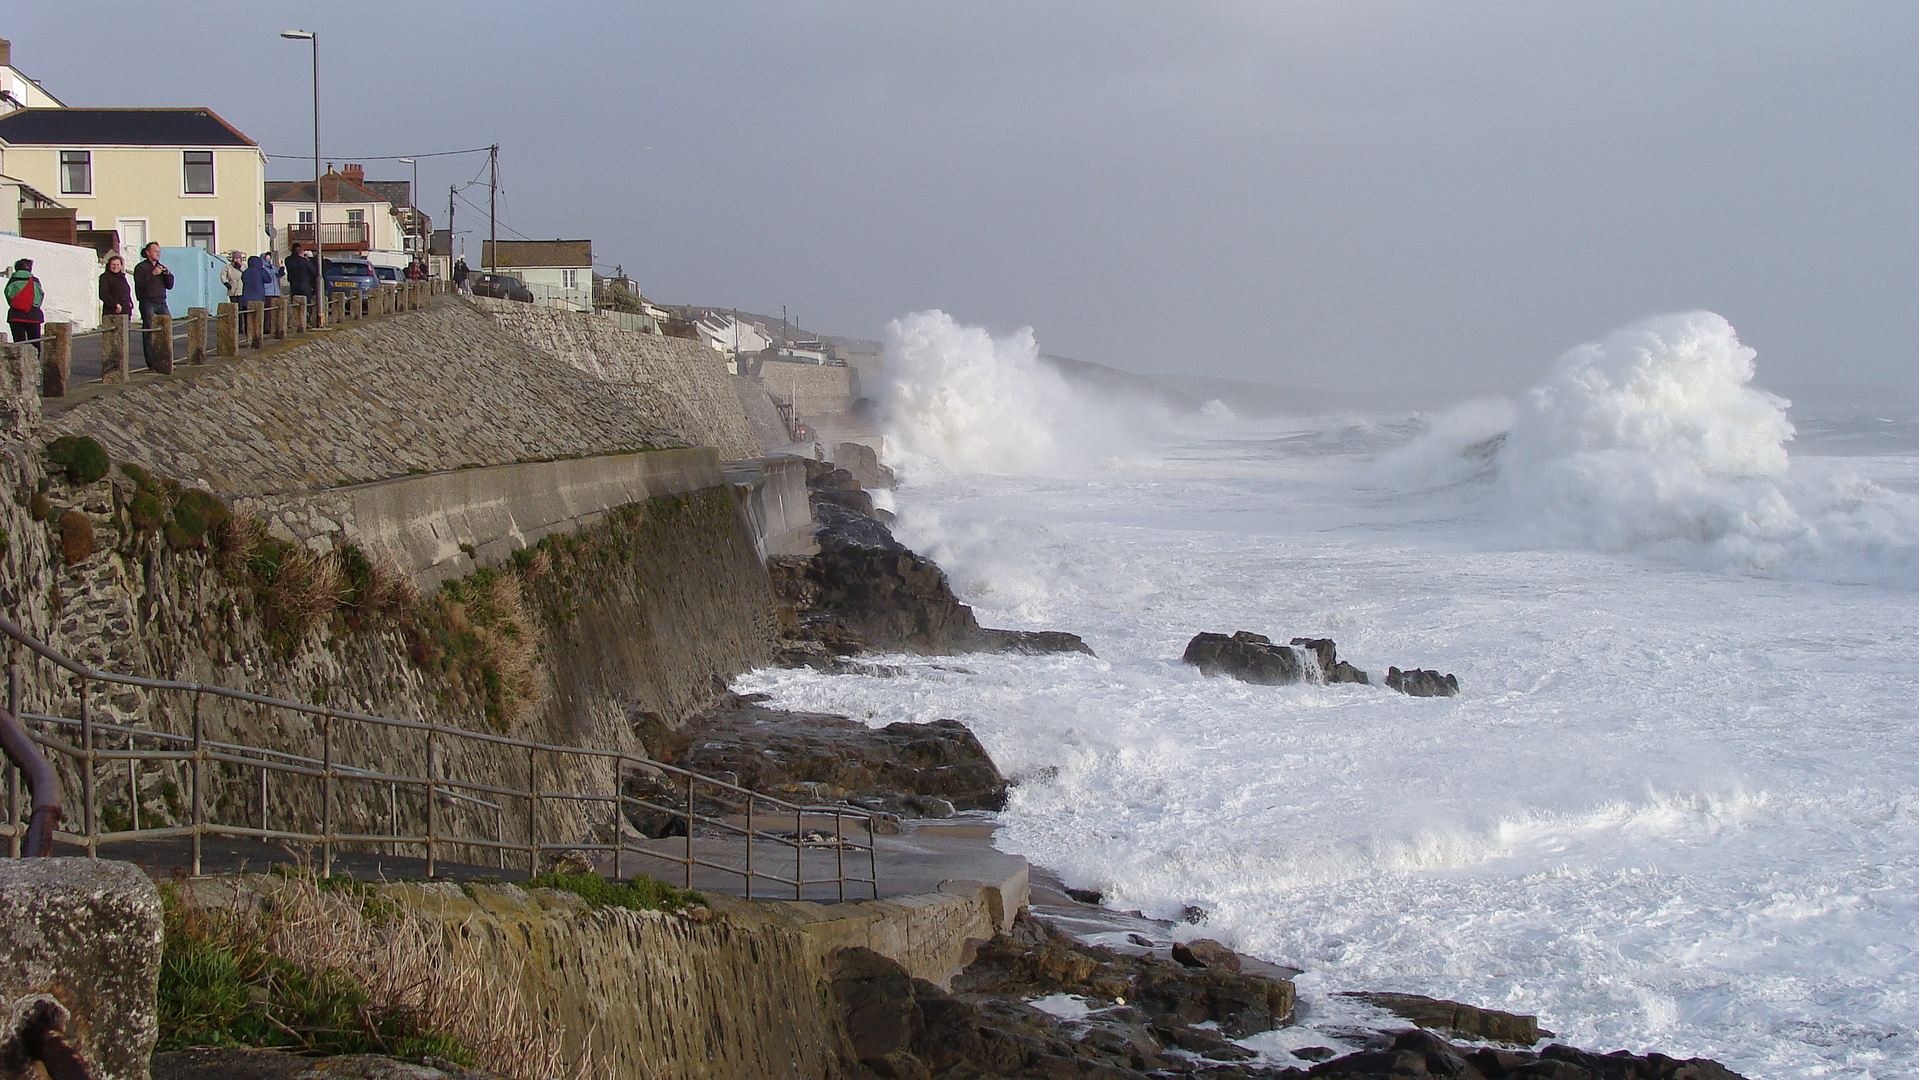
[151, 280]
[304, 279]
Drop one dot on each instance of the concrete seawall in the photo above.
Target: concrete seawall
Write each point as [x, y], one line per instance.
[772, 496]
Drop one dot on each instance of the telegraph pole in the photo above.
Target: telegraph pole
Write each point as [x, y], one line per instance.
[493, 208]
[450, 189]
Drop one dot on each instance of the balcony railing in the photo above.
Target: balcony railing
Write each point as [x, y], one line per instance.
[336, 235]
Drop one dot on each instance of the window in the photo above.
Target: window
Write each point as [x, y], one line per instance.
[569, 279]
[356, 217]
[76, 172]
[196, 171]
[200, 235]
[306, 217]
[84, 224]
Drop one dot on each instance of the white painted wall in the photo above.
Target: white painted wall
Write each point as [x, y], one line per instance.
[71, 276]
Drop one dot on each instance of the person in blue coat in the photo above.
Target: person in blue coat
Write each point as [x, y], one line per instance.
[253, 286]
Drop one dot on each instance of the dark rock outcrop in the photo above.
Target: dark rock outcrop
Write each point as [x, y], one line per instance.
[908, 770]
[1466, 1021]
[863, 463]
[865, 591]
[1421, 683]
[1205, 953]
[1414, 1054]
[1245, 656]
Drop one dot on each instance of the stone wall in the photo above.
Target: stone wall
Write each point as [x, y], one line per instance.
[417, 392]
[772, 496]
[817, 391]
[675, 384]
[448, 524]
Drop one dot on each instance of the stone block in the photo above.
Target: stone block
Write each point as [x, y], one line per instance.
[196, 335]
[256, 324]
[86, 932]
[298, 314]
[226, 330]
[113, 348]
[56, 359]
[160, 359]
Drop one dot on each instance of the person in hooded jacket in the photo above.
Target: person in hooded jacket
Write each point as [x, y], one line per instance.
[24, 295]
[253, 286]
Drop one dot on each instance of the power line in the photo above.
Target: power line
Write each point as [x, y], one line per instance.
[389, 157]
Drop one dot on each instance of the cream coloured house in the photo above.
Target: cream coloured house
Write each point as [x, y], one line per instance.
[17, 89]
[559, 272]
[354, 217]
[183, 177]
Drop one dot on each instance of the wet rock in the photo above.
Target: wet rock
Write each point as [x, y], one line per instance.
[862, 462]
[1245, 656]
[1421, 683]
[907, 770]
[1464, 1020]
[865, 591]
[1206, 953]
[1315, 1053]
[1086, 896]
[1421, 1053]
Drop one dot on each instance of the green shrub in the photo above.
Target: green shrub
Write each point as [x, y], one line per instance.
[142, 479]
[204, 505]
[639, 894]
[40, 507]
[189, 520]
[85, 459]
[146, 510]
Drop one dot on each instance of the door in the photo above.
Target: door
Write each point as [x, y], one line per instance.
[133, 237]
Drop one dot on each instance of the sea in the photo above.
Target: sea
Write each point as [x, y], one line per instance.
[1675, 805]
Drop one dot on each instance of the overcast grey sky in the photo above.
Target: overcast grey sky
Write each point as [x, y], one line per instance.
[1346, 194]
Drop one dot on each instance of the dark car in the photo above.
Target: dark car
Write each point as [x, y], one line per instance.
[350, 275]
[500, 287]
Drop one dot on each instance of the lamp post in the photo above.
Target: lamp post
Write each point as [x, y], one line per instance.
[413, 197]
[319, 244]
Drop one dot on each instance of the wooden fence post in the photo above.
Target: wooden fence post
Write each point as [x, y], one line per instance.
[256, 324]
[196, 335]
[297, 313]
[160, 360]
[56, 359]
[226, 330]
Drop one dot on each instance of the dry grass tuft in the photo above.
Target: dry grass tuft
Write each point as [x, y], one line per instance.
[305, 590]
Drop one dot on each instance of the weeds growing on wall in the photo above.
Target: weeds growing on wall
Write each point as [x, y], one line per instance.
[329, 966]
[639, 894]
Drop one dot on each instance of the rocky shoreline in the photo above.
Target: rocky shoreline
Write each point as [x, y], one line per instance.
[1042, 1001]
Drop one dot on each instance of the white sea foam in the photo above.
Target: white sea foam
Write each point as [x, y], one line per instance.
[1674, 807]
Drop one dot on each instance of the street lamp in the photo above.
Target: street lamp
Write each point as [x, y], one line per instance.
[319, 245]
[413, 196]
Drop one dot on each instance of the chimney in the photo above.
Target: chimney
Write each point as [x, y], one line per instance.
[6, 53]
[354, 173]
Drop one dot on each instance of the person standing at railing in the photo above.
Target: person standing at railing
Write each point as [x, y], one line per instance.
[459, 276]
[303, 278]
[116, 292]
[151, 282]
[233, 276]
[24, 297]
[253, 284]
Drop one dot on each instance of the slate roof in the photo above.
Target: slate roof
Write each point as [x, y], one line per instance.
[534, 253]
[119, 127]
[338, 189]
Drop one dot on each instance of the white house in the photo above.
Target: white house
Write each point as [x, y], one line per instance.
[17, 90]
[354, 218]
[560, 272]
[726, 333]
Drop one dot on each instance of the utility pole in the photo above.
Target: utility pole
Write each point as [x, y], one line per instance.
[493, 208]
[450, 189]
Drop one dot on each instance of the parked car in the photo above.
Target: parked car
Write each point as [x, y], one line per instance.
[390, 275]
[500, 287]
[350, 275]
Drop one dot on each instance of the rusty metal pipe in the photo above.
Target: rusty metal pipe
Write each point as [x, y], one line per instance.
[42, 785]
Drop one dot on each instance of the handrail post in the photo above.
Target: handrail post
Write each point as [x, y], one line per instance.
[532, 813]
[619, 820]
[872, 857]
[326, 794]
[689, 830]
[749, 845]
[839, 849]
[86, 772]
[799, 852]
[199, 771]
[13, 772]
[431, 799]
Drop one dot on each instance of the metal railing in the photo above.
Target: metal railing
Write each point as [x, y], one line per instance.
[458, 802]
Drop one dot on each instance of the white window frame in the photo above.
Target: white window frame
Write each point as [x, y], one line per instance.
[186, 238]
[213, 176]
[569, 279]
[61, 164]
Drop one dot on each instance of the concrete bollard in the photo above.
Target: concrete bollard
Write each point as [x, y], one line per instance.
[160, 360]
[87, 934]
[335, 309]
[113, 348]
[226, 330]
[56, 359]
[297, 314]
[196, 335]
[256, 324]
